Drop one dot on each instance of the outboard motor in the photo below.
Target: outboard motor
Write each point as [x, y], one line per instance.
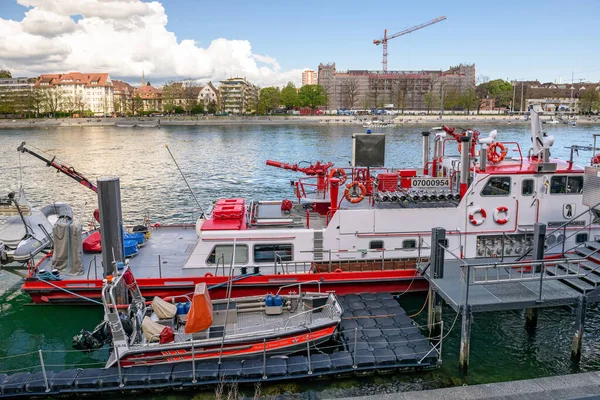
[88, 341]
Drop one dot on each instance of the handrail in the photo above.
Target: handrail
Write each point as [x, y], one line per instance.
[299, 284]
[309, 312]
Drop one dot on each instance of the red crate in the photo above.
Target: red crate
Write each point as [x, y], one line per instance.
[387, 182]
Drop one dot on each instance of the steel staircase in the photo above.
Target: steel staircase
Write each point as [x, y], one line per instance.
[588, 284]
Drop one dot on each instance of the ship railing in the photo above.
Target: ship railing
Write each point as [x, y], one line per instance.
[299, 284]
[307, 313]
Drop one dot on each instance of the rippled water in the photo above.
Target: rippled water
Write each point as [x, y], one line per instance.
[230, 162]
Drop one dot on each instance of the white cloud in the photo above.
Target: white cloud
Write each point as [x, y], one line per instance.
[124, 37]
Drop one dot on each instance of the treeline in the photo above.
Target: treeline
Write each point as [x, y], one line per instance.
[272, 98]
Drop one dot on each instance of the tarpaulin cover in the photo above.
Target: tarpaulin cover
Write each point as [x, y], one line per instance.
[200, 316]
[92, 244]
[151, 329]
[163, 309]
[67, 255]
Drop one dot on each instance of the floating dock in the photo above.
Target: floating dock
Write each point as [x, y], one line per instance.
[376, 336]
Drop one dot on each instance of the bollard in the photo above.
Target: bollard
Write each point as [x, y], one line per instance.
[308, 352]
[193, 363]
[44, 371]
[354, 355]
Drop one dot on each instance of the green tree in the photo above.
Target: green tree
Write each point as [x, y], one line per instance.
[399, 92]
[432, 101]
[469, 100]
[498, 89]
[212, 107]
[52, 100]
[289, 96]
[4, 73]
[135, 104]
[312, 96]
[198, 108]
[451, 100]
[269, 99]
[590, 101]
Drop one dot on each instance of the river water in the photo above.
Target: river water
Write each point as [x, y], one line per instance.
[229, 161]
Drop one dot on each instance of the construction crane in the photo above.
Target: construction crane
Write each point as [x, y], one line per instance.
[385, 38]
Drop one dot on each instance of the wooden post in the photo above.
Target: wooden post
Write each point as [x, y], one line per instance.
[579, 324]
[465, 338]
[531, 318]
[434, 313]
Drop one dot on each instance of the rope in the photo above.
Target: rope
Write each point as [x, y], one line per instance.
[422, 308]
[72, 293]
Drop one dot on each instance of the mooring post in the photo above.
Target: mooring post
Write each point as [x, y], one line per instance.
[438, 239]
[434, 314]
[531, 318]
[465, 338]
[579, 324]
[111, 220]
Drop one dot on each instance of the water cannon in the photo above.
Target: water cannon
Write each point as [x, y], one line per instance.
[488, 140]
[317, 169]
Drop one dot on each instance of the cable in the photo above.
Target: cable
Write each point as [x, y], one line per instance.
[422, 308]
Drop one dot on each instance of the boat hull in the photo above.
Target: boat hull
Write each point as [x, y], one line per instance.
[394, 281]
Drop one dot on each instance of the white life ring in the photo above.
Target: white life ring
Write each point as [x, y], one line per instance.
[475, 221]
[498, 211]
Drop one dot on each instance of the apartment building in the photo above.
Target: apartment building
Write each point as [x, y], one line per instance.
[309, 77]
[238, 96]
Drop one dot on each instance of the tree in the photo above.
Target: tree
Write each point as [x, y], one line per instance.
[198, 108]
[312, 96]
[375, 92]
[52, 100]
[451, 100]
[190, 95]
[399, 91]
[590, 101]
[289, 96]
[469, 100]
[169, 96]
[35, 101]
[431, 100]
[212, 107]
[351, 91]
[135, 104]
[498, 89]
[269, 99]
[4, 73]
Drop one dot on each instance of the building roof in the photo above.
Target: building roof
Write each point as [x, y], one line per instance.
[86, 79]
[148, 92]
[122, 87]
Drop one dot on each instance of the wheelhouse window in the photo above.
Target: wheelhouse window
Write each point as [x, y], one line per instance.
[409, 244]
[222, 253]
[581, 238]
[566, 184]
[527, 187]
[376, 245]
[497, 186]
[264, 253]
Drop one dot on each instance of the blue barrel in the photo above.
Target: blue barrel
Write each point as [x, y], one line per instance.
[187, 306]
[278, 301]
[180, 308]
[269, 301]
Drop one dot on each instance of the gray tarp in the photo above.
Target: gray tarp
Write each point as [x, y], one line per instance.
[68, 253]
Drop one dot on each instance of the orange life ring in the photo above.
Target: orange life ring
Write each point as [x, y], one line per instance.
[338, 270]
[208, 275]
[350, 197]
[501, 209]
[494, 155]
[338, 173]
[475, 221]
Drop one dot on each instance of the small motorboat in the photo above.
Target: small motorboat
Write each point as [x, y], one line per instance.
[167, 332]
[29, 231]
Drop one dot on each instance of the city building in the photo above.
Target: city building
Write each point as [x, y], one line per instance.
[238, 96]
[208, 94]
[556, 97]
[78, 92]
[406, 90]
[123, 95]
[151, 99]
[15, 95]
[309, 77]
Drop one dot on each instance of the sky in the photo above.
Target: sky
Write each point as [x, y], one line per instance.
[271, 42]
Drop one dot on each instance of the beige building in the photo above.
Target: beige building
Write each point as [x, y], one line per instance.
[208, 93]
[309, 77]
[407, 90]
[238, 96]
[78, 91]
[123, 93]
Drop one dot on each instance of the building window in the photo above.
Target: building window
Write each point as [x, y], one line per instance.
[527, 187]
[264, 253]
[409, 244]
[376, 245]
[497, 186]
[581, 238]
[566, 184]
[221, 253]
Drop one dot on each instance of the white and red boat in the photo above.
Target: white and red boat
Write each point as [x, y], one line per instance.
[366, 228]
[143, 334]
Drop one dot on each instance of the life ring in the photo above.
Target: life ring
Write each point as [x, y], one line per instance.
[475, 221]
[208, 275]
[355, 199]
[494, 155]
[338, 270]
[498, 211]
[338, 173]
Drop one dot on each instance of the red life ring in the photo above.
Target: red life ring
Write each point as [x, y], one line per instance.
[477, 222]
[338, 270]
[498, 211]
[495, 156]
[208, 275]
[351, 196]
[338, 173]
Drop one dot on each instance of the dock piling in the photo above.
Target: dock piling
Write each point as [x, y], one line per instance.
[44, 371]
[531, 318]
[579, 324]
[465, 338]
[434, 313]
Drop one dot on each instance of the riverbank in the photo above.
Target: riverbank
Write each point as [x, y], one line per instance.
[155, 122]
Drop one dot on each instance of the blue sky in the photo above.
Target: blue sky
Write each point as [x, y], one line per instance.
[543, 40]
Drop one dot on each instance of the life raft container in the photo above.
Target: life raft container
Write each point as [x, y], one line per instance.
[350, 192]
[500, 210]
[475, 221]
